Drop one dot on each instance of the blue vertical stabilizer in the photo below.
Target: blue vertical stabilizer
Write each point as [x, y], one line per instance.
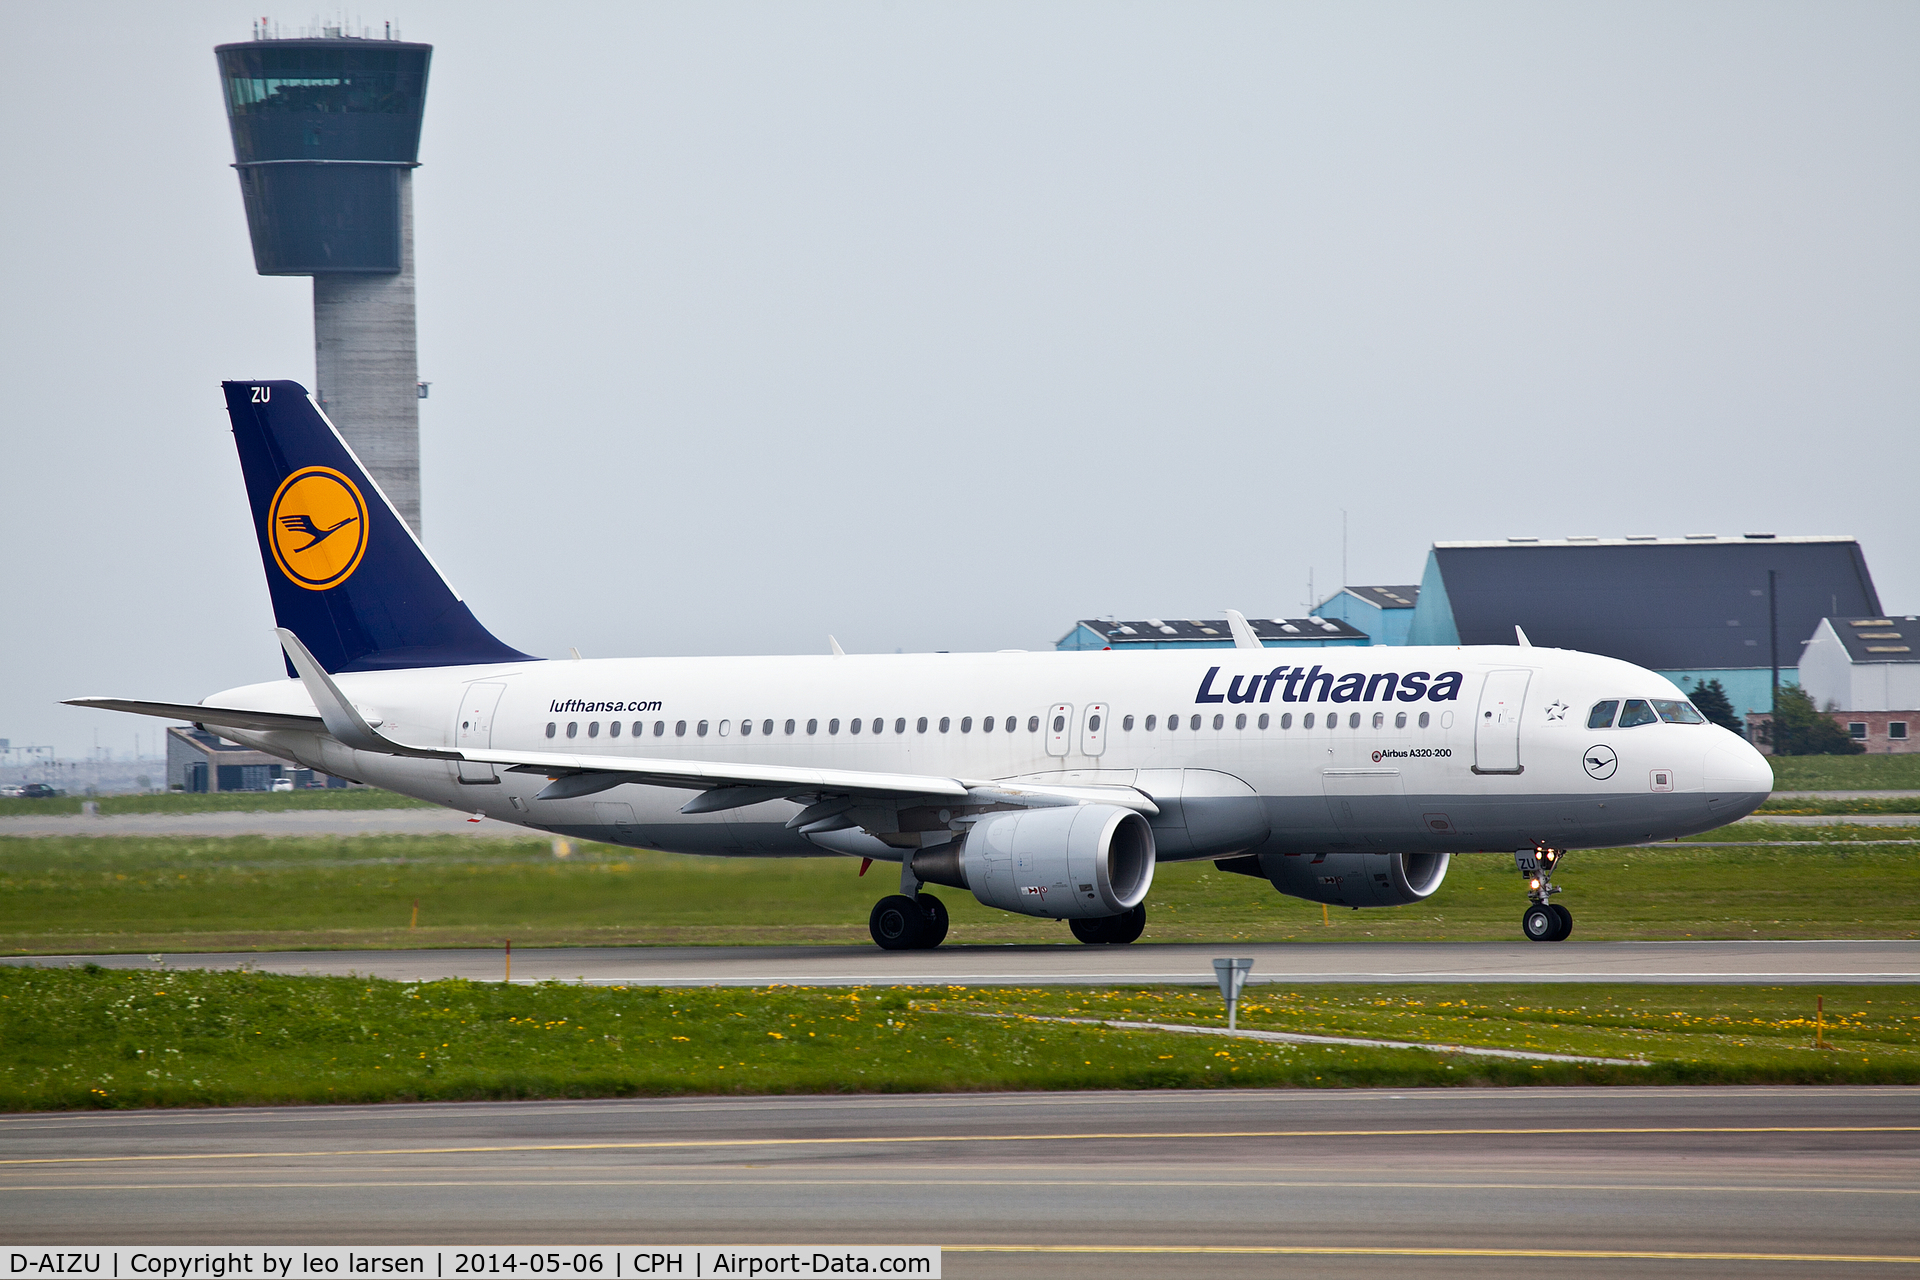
[346, 574]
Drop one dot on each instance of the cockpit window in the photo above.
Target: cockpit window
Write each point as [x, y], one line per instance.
[1677, 712]
[1636, 712]
[1602, 714]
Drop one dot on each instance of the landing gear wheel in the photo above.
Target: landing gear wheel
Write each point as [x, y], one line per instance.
[1111, 930]
[934, 912]
[1566, 921]
[898, 923]
[1541, 923]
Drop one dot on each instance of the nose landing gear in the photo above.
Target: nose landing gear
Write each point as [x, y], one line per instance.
[1544, 921]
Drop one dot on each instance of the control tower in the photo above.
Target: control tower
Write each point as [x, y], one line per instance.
[326, 135]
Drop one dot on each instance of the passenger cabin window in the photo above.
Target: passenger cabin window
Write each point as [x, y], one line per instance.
[701, 728]
[552, 728]
[1219, 722]
[966, 724]
[766, 727]
[986, 726]
[1400, 720]
[1151, 721]
[920, 725]
[1033, 724]
[1353, 721]
[1240, 721]
[1425, 719]
[853, 725]
[900, 725]
[613, 730]
[593, 729]
[1060, 723]
[746, 728]
[813, 727]
[1286, 719]
[946, 723]
[833, 726]
[1126, 722]
[1636, 712]
[659, 728]
[1194, 723]
[790, 729]
[1379, 719]
[1306, 721]
[1264, 720]
[1673, 712]
[1601, 716]
[679, 728]
[573, 728]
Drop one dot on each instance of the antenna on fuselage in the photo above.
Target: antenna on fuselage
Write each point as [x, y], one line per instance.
[1243, 637]
[1520, 637]
[838, 652]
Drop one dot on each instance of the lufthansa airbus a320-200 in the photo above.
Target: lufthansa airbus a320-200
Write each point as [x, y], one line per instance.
[1049, 784]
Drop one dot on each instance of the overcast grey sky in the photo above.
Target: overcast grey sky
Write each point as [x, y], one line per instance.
[939, 326]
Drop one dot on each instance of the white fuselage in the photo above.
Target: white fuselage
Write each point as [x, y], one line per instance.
[1500, 758]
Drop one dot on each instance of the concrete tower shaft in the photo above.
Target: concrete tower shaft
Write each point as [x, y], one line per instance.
[366, 366]
[326, 134]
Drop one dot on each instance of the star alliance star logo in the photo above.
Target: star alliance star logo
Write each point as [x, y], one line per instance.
[1557, 710]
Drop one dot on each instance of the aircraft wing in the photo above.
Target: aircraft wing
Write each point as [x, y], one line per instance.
[221, 717]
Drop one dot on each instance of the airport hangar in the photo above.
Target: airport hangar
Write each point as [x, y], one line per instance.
[1694, 609]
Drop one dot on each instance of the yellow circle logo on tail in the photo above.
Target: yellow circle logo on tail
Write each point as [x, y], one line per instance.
[317, 525]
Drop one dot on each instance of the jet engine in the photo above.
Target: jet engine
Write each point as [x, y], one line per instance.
[1349, 879]
[1083, 862]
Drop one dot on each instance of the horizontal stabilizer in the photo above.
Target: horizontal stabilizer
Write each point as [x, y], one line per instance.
[221, 717]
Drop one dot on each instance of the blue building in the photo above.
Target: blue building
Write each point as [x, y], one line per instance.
[1384, 613]
[1694, 609]
[1193, 633]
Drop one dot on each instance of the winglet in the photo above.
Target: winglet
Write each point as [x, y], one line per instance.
[1243, 637]
[838, 652]
[343, 721]
[1520, 637]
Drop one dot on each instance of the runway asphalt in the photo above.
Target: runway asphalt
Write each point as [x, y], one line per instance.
[1636, 1182]
[1769, 962]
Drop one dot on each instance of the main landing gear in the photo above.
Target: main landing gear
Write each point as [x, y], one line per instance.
[1112, 930]
[902, 923]
[1544, 921]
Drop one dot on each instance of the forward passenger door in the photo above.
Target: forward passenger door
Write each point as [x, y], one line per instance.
[1496, 729]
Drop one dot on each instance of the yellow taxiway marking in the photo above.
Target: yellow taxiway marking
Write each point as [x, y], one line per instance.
[1109, 1183]
[921, 1139]
[1342, 1251]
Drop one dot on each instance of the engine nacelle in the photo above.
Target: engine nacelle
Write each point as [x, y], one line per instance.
[1356, 879]
[1073, 862]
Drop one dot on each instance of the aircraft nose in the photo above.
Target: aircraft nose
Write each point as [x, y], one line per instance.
[1734, 766]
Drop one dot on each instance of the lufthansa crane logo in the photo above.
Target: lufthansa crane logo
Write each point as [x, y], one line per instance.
[318, 527]
[1600, 762]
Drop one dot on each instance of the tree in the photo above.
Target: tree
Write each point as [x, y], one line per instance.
[1801, 729]
[1712, 702]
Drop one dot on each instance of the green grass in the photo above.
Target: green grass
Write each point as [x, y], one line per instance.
[1855, 804]
[1846, 773]
[98, 1038]
[141, 895]
[219, 802]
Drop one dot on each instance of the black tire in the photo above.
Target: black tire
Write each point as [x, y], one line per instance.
[1092, 931]
[897, 923]
[935, 913]
[1566, 921]
[1540, 923]
[1126, 928]
[1111, 930]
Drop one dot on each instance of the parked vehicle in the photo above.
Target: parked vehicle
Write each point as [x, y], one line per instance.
[40, 791]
